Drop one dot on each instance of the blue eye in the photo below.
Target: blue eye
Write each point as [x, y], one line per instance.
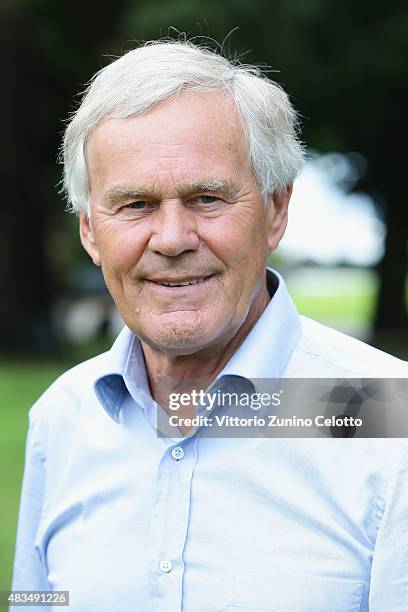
[137, 205]
[207, 199]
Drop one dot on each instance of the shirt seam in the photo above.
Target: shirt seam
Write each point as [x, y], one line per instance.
[382, 500]
[332, 363]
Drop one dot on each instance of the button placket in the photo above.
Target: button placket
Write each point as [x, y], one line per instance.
[177, 453]
[170, 518]
[165, 566]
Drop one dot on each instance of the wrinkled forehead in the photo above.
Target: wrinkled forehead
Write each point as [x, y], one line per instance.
[197, 132]
[210, 117]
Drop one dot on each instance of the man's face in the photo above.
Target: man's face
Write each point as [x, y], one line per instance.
[174, 201]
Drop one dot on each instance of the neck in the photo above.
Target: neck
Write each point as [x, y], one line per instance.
[169, 373]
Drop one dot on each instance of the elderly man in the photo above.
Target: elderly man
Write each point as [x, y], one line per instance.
[181, 166]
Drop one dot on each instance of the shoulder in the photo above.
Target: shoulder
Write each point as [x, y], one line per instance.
[339, 354]
[65, 398]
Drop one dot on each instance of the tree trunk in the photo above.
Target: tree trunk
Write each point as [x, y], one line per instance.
[24, 285]
[391, 311]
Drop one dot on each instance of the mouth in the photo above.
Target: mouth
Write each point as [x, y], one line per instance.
[192, 281]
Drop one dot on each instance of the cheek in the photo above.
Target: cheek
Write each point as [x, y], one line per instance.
[121, 250]
[242, 248]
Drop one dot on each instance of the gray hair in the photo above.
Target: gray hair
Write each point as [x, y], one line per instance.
[157, 70]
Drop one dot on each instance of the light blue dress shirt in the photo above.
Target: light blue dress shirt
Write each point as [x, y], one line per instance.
[128, 521]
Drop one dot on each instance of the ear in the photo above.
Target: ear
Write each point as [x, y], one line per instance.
[88, 238]
[278, 203]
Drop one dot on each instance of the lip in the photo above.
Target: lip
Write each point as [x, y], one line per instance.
[156, 283]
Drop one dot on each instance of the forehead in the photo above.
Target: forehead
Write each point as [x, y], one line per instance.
[188, 135]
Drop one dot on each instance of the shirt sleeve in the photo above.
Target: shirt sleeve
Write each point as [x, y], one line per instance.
[389, 574]
[29, 570]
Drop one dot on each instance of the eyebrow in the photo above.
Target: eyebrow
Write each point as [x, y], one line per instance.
[209, 185]
[118, 193]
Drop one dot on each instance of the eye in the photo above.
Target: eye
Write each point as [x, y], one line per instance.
[138, 205]
[207, 199]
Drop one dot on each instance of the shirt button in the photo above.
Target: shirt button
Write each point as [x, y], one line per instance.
[177, 453]
[165, 566]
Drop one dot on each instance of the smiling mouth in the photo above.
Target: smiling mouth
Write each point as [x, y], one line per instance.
[180, 283]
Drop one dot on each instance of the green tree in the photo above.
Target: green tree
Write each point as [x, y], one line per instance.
[52, 49]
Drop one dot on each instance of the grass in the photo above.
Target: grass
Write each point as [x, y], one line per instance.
[324, 294]
[20, 385]
[360, 306]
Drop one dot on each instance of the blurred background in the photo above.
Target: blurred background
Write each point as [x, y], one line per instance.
[345, 66]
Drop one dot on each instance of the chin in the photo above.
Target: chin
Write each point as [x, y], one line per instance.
[181, 334]
[178, 342]
[177, 346]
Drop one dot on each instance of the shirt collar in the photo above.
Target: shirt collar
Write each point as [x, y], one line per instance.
[123, 371]
[264, 353]
[266, 350]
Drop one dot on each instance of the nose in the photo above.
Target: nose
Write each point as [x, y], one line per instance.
[174, 230]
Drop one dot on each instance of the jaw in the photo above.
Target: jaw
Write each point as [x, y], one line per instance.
[178, 331]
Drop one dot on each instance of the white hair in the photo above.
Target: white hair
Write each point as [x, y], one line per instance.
[157, 70]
